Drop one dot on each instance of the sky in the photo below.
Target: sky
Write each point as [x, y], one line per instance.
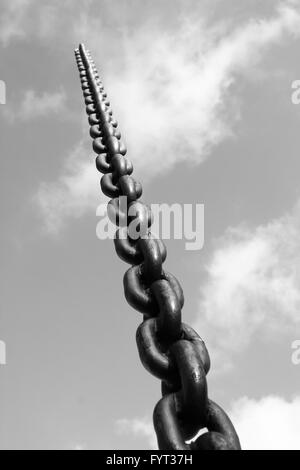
[202, 91]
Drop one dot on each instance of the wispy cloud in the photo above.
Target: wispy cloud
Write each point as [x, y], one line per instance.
[253, 285]
[175, 91]
[28, 19]
[253, 420]
[72, 195]
[13, 19]
[271, 423]
[139, 428]
[33, 105]
[79, 447]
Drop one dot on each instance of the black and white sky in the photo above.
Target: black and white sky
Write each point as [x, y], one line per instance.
[202, 91]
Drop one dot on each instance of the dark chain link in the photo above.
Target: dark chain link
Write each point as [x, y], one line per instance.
[170, 350]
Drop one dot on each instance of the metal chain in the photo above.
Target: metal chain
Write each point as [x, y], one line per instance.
[169, 349]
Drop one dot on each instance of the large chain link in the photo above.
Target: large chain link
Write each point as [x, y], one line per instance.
[169, 349]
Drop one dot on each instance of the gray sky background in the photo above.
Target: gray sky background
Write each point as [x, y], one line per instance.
[202, 92]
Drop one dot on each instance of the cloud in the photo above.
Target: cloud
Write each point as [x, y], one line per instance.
[31, 19]
[75, 193]
[252, 286]
[12, 18]
[174, 92]
[271, 423]
[141, 428]
[33, 105]
[21, 19]
[79, 447]
[173, 88]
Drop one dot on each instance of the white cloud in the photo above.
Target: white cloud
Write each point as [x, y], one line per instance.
[271, 423]
[75, 193]
[141, 428]
[252, 287]
[35, 105]
[174, 92]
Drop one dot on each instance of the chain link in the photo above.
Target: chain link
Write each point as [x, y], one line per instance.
[170, 350]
